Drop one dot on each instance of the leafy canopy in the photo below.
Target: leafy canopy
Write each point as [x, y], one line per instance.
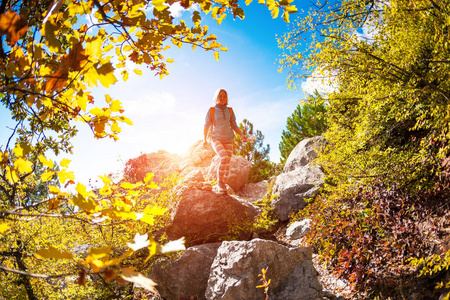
[388, 119]
[387, 142]
[52, 54]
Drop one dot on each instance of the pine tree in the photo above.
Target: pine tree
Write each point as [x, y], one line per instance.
[308, 120]
[255, 152]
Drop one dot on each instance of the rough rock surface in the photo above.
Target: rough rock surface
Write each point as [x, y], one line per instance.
[204, 216]
[186, 276]
[254, 191]
[300, 179]
[197, 156]
[298, 229]
[239, 171]
[236, 268]
[302, 154]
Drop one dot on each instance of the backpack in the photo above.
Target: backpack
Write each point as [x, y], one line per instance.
[213, 109]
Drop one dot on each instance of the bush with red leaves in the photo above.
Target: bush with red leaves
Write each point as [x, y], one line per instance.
[368, 238]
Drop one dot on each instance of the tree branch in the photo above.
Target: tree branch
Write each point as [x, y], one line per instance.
[34, 275]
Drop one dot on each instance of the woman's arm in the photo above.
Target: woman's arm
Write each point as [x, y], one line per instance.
[205, 134]
[239, 131]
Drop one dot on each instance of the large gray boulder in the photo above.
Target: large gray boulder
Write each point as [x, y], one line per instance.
[236, 268]
[187, 276]
[239, 171]
[304, 153]
[293, 188]
[300, 179]
[204, 216]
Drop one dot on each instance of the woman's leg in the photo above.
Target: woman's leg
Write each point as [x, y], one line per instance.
[224, 151]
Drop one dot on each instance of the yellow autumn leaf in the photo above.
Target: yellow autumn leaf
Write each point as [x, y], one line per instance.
[48, 30]
[82, 102]
[286, 17]
[106, 75]
[86, 204]
[91, 77]
[137, 71]
[291, 9]
[115, 127]
[65, 175]
[97, 253]
[47, 176]
[216, 55]
[3, 227]
[11, 175]
[159, 4]
[214, 44]
[65, 163]
[105, 179]
[124, 75]
[220, 19]
[128, 185]
[126, 120]
[94, 46]
[22, 149]
[4, 157]
[53, 189]
[53, 203]
[45, 162]
[107, 48]
[152, 185]
[154, 210]
[96, 111]
[148, 177]
[275, 12]
[106, 190]
[52, 252]
[116, 106]
[23, 166]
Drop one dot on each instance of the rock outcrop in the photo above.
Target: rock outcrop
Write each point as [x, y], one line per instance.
[236, 268]
[254, 191]
[204, 216]
[198, 165]
[187, 276]
[300, 179]
[239, 171]
[231, 270]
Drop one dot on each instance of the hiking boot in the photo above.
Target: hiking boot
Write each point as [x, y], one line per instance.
[222, 188]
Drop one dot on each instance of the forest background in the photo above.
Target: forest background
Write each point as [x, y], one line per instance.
[383, 210]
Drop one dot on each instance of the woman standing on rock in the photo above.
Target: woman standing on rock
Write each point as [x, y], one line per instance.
[220, 123]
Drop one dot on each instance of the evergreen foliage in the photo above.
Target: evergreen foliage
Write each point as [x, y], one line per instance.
[254, 152]
[308, 120]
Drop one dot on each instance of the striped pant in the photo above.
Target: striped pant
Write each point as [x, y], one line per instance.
[224, 150]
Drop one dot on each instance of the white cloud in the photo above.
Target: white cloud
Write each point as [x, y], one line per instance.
[176, 10]
[323, 82]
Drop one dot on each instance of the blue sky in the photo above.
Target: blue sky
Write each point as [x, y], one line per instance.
[169, 114]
